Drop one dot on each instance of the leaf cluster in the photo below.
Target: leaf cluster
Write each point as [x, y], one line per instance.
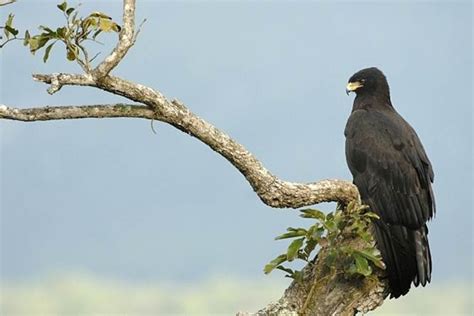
[72, 34]
[8, 28]
[327, 232]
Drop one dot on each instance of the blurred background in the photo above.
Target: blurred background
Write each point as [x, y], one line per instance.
[106, 217]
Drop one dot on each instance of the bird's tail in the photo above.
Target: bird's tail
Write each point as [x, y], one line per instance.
[406, 254]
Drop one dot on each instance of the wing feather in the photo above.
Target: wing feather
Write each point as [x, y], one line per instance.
[387, 159]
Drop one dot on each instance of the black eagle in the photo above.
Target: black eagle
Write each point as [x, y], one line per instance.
[394, 176]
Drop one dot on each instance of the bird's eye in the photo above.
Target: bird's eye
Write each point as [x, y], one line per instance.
[362, 80]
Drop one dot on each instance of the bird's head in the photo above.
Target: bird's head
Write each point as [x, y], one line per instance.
[368, 81]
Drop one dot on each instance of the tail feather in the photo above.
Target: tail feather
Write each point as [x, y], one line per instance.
[423, 256]
[406, 255]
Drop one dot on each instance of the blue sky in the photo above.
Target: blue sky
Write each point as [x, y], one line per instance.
[111, 198]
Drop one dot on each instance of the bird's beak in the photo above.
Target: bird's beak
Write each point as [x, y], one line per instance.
[353, 86]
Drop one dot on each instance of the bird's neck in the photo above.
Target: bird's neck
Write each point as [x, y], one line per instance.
[372, 101]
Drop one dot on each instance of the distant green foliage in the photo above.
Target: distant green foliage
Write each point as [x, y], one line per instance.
[327, 231]
[72, 34]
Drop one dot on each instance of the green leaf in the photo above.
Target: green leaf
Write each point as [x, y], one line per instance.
[69, 11]
[72, 52]
[310, 245]
[62, 6]
[33, 43]
[116, 28]
[356, 226]
[287, 270]
[362, 265]
[96, 33]
[46, 29]
[47, 51]
[372, 215]
[89, 22]
[338, 220]
[293, 249]
[373, 255]
[9, 21]
[8, 26]
[351, 205]
[330, 225]
[274, 263]
[61, 32]
[27, 38]
[10, 30]
[366, 236]
[36, 42]
[100, 15]
[292, 233]
[312, 213]
[363, 208]
[107, 25]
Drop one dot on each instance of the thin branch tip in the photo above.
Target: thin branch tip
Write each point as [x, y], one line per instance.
[127, 38]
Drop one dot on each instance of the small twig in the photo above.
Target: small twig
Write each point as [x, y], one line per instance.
[95, 56]
[10, 40]
[152, 127]
[7, 41]
[94, 40]
[138, 30]
[86, 63]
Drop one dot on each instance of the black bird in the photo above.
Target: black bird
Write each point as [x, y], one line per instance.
[394, 176]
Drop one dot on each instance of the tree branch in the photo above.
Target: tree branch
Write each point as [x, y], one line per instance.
[126, 40]
[5, 2]
[50, 113]
[271, 190]
[58, 80]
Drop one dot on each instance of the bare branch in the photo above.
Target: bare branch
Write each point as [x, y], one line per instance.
[5, 2]
[58, 80]
[271, 190]
[49, 113]
[126, 40]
